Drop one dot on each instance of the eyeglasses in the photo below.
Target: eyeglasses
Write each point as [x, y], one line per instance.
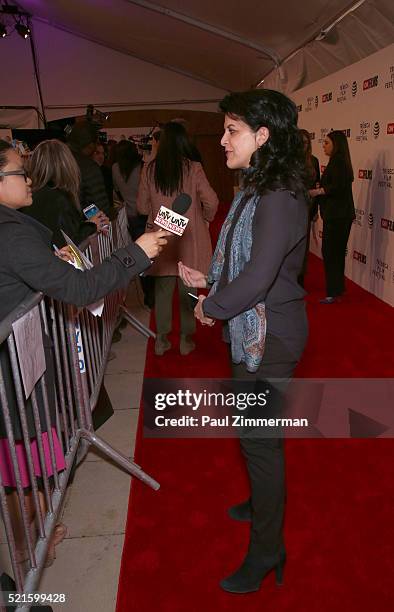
[16, 173]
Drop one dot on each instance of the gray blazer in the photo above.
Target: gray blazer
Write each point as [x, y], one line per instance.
[28, 264]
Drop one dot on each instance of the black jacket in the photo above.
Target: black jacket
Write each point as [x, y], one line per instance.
[92, 190]
[337, 203]
[55, 209]
[271, 275]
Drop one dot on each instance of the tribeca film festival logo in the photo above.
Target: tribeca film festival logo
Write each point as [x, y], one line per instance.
[380, 270]
[390, 83]
[299, 108]
[360, 257]
[376, 129]
[354, 88]
[370, 220]
[390, 128]
[370, 83]
[316, 101]
[365, 174]
[346, 132]
[327, 97]
[312, 135]
[387, 224]
[343, 92]
[386, 180]
[365, 126]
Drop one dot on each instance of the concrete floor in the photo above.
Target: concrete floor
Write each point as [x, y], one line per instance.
[88, 560]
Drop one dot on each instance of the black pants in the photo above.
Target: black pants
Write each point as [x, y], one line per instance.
[335, 236]
[265, 457]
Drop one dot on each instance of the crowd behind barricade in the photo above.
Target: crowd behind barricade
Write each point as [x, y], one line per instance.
[40, 198]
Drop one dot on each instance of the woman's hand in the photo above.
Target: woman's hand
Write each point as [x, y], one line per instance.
[191, 277]
[199, 313]
[65, 253]
[153, 242]
[101, 221]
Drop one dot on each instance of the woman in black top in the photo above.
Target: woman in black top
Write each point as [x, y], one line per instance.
[56, 180]
[254, 273]
[337, 211]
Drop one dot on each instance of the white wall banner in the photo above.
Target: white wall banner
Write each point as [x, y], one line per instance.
[359, 100]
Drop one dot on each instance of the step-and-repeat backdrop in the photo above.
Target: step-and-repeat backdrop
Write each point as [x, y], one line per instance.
[359, 100]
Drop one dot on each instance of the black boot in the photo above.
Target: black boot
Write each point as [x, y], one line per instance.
[250, 574]
[241, 512]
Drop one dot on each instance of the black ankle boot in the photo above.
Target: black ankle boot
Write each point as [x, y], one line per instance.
[241, 512]
[250, 574]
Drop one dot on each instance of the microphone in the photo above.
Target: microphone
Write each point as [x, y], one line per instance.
[174, 220]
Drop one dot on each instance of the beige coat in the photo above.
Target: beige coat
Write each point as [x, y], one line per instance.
[194, 248]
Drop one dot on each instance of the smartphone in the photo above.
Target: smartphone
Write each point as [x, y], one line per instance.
[90, 211]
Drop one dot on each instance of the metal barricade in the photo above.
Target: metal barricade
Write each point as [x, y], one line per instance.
[57, 414]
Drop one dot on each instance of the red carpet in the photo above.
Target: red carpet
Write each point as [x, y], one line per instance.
[339, 522]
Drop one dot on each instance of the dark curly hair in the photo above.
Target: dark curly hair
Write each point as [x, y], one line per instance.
[280, 162]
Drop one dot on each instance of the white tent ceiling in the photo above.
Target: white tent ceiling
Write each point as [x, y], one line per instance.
[191, 50]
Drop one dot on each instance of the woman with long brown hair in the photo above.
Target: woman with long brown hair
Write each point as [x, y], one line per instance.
[169, 174]
[55, 183]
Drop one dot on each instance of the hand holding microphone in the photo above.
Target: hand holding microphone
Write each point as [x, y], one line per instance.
[171, 222]
[153, 242]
